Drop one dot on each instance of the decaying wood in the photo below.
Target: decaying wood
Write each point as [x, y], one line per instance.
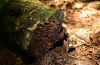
[46, 37]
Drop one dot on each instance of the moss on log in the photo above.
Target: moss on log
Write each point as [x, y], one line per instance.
[22, 17]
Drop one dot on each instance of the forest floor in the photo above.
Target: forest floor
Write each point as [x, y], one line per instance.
[82, 23]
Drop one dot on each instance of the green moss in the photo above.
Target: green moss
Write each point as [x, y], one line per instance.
[22, 17]
[40, 16]
[33, 12]
[47, 13]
